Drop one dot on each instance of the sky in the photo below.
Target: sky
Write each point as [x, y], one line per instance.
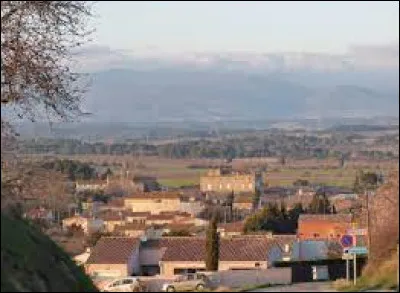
[172, 26]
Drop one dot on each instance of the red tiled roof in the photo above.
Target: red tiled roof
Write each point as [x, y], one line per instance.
[337, 218]
[244, 199]
[232, 227]
[245, 249]
[135, 226]
[116, 202]
[179, 226]
[155, 195]
[181, 214]
[138, 214]
[113, 250]
[234, 249]
[113, 216]
[183, 249]
[160, 217]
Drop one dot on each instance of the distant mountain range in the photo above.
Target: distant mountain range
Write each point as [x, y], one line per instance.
[154, 86]
[127, 95]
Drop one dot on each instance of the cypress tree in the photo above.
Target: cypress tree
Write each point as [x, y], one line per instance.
[212, 246]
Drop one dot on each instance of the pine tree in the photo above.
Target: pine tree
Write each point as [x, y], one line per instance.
[320, 204]
[256, 199]
[212, 246]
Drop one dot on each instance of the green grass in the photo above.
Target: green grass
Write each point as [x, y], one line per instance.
[33, 262]
[331, 176]
[178, 182]
[382, 276]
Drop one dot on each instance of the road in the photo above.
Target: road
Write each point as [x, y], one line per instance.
[301, 287]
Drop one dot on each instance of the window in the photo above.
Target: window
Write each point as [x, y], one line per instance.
[228, 186]
[286, 247]
[220, 186]
[190, 277]
[257, 264]
[209, 186]
[316, 235]
[117, 283]
[251, 185]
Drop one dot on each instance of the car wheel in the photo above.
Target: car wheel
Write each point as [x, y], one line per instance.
[200, 287]
[170, 289]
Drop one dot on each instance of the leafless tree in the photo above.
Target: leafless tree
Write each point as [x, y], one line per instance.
[37, 81]
[36, 41]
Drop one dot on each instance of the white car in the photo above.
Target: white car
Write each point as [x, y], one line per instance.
[128, 284]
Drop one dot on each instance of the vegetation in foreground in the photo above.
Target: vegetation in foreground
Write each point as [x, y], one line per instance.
[383, 276]
[31, 262]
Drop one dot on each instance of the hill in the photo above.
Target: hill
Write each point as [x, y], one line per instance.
[31, 262]
[194, 95]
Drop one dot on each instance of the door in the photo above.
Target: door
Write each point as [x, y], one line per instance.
[190, 282]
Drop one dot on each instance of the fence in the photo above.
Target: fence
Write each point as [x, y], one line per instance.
[231, 278]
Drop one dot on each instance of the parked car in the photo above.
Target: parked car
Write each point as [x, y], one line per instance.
[128, 284]
[187, 282]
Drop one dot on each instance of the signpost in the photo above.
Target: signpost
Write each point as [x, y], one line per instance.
[350, 250]
[357, 231]
[347, 257]
[346, 241]
[357, 250]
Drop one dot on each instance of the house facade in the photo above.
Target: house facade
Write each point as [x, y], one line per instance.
[153, 202]
[330, 226]
[114, 257]
[220, 180]
[187, 254]
[88, 224]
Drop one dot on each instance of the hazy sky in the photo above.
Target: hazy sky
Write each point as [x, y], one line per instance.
[250, 26]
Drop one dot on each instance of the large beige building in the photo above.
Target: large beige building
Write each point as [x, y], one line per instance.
[225, 180]
[153, 202]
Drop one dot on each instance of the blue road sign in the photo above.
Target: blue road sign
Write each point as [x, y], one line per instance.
[357, 250]
[346, 240]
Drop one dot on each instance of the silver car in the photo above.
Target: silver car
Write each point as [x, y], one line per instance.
[128, 284]
[187, 282]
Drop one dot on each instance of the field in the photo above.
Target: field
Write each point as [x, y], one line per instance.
[177, 172]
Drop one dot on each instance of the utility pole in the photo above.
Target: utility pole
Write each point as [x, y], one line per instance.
[368, 223]
[355, 269]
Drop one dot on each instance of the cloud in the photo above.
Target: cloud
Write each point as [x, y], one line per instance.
[96, 58]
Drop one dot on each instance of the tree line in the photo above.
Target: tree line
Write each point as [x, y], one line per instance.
[281, 220]
[270, 145]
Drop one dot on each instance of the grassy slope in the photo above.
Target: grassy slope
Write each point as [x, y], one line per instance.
[377, 277]
[30, 261]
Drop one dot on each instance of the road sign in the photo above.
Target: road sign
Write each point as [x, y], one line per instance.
[347, 256]
[357, 250]
[357, 231]
[346, 241]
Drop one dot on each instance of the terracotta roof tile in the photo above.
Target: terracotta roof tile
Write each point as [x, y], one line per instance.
[338, 218]
[160, 217]
[232, 227]
[138, 214]
[155, 195]
[135, 226]
[233, 249]
[113, 250]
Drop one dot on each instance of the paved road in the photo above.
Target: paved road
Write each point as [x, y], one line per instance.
[301, 287]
